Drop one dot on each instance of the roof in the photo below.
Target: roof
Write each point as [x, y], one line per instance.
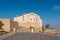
[28, 14]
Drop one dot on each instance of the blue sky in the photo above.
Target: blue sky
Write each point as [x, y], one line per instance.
[49, 10]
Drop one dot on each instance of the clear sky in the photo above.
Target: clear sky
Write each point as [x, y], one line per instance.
[49, 10]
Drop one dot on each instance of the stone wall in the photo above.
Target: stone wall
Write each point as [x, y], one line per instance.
[6, 24]
[52, 31]
[35, 25]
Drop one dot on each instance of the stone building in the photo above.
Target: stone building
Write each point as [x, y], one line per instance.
[29, 21]
[7, 24]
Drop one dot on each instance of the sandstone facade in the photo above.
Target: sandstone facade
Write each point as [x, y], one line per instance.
[29, 20]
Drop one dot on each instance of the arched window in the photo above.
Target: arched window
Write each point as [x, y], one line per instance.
[31, 19]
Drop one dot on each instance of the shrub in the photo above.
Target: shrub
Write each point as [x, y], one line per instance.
[3, 32]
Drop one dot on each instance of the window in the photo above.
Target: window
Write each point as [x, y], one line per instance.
[34, 19]
[31, 19]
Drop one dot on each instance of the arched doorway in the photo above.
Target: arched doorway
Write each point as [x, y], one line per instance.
[32, 29]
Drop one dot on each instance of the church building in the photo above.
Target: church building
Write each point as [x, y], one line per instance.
[29, 22]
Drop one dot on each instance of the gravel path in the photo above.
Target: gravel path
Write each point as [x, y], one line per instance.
[32, 36]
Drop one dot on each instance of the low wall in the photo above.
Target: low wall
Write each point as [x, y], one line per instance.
[52, 31]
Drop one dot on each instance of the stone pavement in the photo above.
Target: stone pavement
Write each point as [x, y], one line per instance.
[31, 36]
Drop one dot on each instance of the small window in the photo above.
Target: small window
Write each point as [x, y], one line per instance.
[31, 18]
[34, 19]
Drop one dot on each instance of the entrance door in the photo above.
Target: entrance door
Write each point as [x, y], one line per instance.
[32, 29]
